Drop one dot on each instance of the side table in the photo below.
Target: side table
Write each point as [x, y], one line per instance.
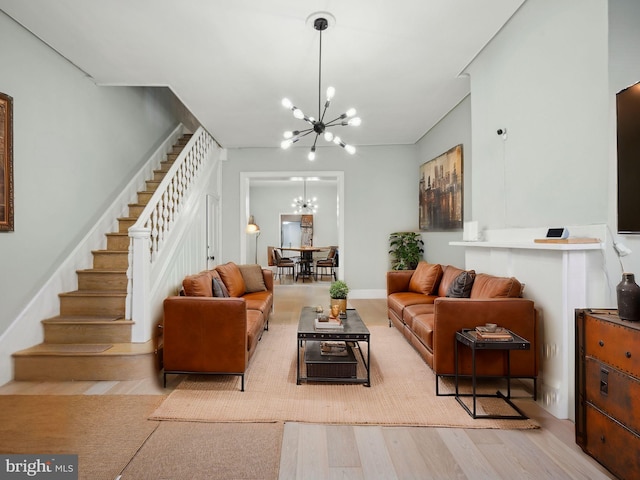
[468, 337]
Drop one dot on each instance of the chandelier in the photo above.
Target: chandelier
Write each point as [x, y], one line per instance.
[319, 126]
[304, 204]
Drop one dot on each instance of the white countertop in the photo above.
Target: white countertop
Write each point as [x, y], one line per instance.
[531, 245]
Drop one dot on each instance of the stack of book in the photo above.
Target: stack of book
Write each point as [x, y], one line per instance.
[499, 334]
[330, 323]
[336, 349]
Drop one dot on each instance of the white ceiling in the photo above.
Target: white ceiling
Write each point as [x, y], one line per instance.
[231, 62]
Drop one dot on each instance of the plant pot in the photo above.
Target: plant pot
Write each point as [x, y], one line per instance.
[341, 302]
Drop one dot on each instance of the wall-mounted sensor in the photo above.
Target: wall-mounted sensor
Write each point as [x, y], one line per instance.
[502, 132]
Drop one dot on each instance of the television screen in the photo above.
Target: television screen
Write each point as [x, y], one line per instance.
[628, 117]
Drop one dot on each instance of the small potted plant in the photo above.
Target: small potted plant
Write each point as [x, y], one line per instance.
[338, 292]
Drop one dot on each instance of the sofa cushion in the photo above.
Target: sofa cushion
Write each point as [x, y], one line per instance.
[259, 301]
[198, 285]
[232, 278]
[488, 286]
[412, 311]
[461, 286]
[253, 278]
[397, 302]
[425, 279]
[255, 326]
[423, 329]
[219, 289]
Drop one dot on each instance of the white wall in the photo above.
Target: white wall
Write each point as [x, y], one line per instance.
[452, 130]
[544, 79]
[75, 147]
[381, 196]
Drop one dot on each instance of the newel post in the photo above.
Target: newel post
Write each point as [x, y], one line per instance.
[139, 283]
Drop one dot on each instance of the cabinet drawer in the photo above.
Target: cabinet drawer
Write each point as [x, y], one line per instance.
[612, 445]
[613, 392]
[613, 344]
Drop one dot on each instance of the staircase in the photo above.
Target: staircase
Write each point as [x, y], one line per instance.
[91, 339]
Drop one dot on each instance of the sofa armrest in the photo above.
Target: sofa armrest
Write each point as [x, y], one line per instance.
[453, 314]
[398, 281]
[267, 275]
[205, 334]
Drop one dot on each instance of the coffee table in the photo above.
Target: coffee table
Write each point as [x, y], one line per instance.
[353, 333]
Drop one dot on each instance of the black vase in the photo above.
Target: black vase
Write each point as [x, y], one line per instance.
[628, 293]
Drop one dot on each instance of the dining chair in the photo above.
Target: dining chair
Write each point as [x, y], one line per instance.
[283, 263]
[327, 264]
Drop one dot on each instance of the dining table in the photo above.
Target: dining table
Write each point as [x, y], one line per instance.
[306, 258]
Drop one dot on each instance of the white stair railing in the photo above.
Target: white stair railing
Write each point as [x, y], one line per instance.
[151, 230]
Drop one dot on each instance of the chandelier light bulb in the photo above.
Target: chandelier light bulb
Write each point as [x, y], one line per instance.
[337, 140]
[286, 144]
[286, 103]
[350, 149]
[312, 155]
[288, 134]
[355, 121]
[330, 93]
[351, 112]
[298, 113]
[328, 136]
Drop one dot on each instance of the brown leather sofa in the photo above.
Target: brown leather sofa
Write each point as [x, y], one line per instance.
[430, 304]
[215, 325]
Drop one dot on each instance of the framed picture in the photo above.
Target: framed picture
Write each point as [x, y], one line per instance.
[440, 202]
[6, 163]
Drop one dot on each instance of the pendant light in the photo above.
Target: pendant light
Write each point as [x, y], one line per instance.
[320, 126]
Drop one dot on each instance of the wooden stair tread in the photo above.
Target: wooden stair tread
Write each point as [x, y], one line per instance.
[76, 319]
[86, 349]
[102, 271]
[94, 293]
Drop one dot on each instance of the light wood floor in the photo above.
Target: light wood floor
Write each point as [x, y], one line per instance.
[377, 452]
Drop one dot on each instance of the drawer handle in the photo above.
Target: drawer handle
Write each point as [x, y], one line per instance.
[601, 343]
[628, 354]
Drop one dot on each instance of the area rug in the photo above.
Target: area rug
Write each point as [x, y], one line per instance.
[105, 431]
[209, 451]
[402, 391]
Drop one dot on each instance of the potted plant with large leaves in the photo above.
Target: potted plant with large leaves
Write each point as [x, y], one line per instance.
[406, 250]
[338, 292]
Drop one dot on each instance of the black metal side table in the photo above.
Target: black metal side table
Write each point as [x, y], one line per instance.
[469, 338]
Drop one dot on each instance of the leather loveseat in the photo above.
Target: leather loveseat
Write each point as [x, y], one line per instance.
[215, 325]
[429, 304]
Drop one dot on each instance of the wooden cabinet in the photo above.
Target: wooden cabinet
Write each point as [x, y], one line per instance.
[608, 390]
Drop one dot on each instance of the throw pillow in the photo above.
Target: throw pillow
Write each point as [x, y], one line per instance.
[488, 286]
[426, 278]
[232, 279]
[198, 285]
[219, 290]
[461, 285]
[253, 278]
